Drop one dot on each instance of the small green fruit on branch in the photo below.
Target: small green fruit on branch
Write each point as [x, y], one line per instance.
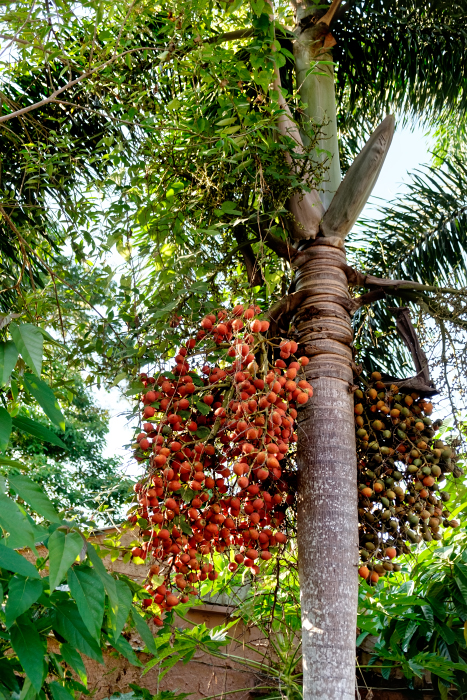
[400, 463]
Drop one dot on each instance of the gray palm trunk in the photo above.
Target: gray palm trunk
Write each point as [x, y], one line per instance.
[327, 493]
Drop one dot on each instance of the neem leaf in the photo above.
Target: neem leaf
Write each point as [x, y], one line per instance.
[45, 398]
[30, 649]
[88, 591]
[37, 430]
[29, 341]
[144, 632]
[59, 692]
[126, 650]
[120, 616]
[108, 582]
[63, 550]
[34, 495]
[22, 532]
[69, 624]
[11, 463]
[12, 561]
[22, 593]
[5, 428]
[8, 356]
[74, 660]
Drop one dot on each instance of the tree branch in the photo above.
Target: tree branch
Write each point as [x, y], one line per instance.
[255, 276]
[421, 382]
[407, 332]
[279, 314]
[329, 16]
[358, 279]
[280, 247]
[232, 36]
[72, 83]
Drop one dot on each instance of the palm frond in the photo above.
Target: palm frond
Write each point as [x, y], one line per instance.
[422, 237]
[408, 57]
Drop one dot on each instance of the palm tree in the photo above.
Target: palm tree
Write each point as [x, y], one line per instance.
[351, 63]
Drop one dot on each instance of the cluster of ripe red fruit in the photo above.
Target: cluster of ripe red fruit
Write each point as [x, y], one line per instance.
[218, 478]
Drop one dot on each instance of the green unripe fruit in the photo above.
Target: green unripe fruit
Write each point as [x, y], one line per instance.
[386, 514]
[397, 475]
[387, 434]
[417, 462]
[446, 454]
[390, 494]
[445, 496]
[359, 394]
[426, 471]
[385, 501]
[401, 434]
[361, 433]
[374, 445]
[412, 468]
[436, 471]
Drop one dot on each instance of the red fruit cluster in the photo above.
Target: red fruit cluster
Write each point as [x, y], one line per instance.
[216, 440]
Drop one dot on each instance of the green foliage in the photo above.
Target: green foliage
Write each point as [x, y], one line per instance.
[69, 462]
[420, 616]
[399, 59]
[38, 607]
[423, 236]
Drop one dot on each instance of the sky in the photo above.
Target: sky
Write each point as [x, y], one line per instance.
[409, 149]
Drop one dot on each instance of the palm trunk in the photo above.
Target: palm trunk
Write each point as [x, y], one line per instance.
[327, 516]
[327, 495]
[317, 91]
[327, 491]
